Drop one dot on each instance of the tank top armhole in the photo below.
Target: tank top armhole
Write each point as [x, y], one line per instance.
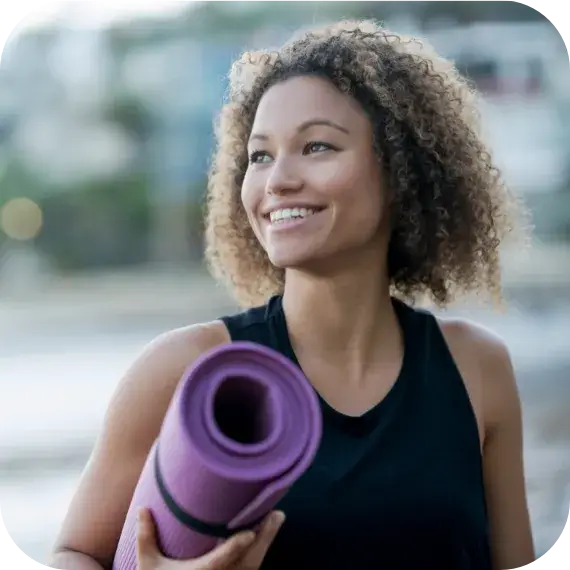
[441, 348]
[252, 325]
[227, 323]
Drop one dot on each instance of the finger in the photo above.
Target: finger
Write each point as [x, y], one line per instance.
[147, 550]
[228, 553]
[265, 538]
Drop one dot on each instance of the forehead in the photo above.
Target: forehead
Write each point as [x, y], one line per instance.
[300, 99]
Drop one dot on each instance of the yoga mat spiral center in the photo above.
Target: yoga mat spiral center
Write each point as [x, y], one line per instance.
[243, 410]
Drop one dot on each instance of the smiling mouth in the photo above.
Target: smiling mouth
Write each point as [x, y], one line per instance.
[291, 214]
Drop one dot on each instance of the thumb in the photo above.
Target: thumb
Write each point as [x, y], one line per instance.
[147, 549]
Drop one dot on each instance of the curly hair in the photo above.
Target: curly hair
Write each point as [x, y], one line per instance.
[450, 209]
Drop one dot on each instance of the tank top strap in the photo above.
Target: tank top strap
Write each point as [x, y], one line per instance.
[417, 330]
[255, 325]
[439, 380]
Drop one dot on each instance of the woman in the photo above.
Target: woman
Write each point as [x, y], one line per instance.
[349, 183]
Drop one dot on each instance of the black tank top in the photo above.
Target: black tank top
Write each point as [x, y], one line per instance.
[397, 488]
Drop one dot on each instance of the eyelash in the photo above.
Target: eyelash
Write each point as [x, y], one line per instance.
[256, 154]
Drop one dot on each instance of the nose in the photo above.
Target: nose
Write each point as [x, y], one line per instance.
[283, 178]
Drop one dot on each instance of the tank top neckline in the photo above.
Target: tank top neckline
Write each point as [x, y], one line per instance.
[406, 372]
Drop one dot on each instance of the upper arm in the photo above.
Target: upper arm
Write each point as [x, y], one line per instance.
[134, 416]
[511, 537]
[485, 364]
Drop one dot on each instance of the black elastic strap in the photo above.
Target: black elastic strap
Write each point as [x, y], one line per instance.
[208, 529]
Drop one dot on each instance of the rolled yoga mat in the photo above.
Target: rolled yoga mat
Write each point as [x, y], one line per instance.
[244, 424]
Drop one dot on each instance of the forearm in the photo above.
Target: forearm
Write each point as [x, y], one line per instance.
[69, 560]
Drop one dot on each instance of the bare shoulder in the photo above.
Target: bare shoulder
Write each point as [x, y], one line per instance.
[154, 375]
[175, 349]
[474, 336]
[486, 364]
[490, 370]
[134, 416]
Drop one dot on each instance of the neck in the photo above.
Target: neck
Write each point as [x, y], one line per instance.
[346, 316]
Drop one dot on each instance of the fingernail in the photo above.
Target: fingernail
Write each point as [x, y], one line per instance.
[278, 518]
[140, 518]
[248, 538]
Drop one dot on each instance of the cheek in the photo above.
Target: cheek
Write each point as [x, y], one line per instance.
[358, 194]
[248, 197]
[364, 212]
[250, 200]
[335, 177]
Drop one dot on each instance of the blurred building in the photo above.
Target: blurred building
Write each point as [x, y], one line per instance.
[56, 83]
[522, 71]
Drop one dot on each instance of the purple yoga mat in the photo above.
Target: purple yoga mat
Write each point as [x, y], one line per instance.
[244, 424]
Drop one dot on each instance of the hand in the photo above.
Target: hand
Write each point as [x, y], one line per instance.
[243, 551]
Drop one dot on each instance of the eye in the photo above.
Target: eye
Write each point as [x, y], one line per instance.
[258, 157]
[317, 146]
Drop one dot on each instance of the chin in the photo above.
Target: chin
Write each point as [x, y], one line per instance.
[296, 260]
[289, 259]
[287, 262]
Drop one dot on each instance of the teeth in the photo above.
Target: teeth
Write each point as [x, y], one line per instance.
[290, 213]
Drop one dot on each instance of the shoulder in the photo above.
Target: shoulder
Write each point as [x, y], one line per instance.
[145, 390]
[132, 422]
[467, 334]
[485, 362]
[176, 349]
[503, 466]
[159, 366]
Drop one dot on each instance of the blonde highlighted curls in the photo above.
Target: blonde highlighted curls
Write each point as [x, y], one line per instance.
[450, 209]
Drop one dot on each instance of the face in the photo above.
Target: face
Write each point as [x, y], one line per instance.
[312, 190]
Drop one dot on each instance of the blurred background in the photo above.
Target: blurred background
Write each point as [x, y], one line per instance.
[105, 134]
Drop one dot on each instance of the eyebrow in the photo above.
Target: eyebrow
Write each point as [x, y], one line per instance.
[306, 125]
